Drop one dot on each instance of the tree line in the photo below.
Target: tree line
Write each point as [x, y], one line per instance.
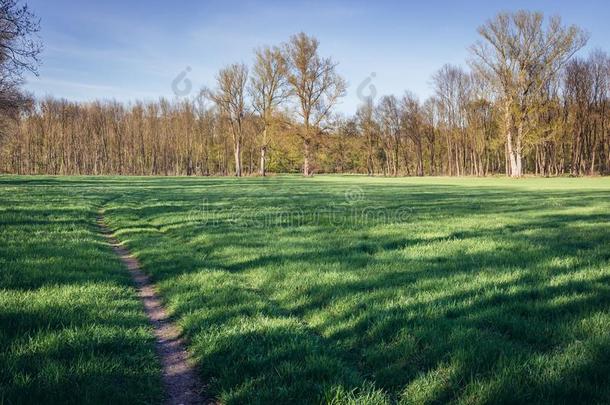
[525, 104]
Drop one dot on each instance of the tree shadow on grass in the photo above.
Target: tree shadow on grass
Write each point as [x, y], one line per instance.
[474, 311]
[71, 328]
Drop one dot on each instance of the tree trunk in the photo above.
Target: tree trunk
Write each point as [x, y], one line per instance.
[513, 150]
[370, 168]
[263, 160]
[420, 159]
[306, 152]
[238, 159]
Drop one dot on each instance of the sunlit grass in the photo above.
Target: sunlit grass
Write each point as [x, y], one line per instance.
[354, 290]
[348, 289]
[71, 328]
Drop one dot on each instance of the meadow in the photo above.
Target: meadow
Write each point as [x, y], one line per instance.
[331, 289]
[71, 327]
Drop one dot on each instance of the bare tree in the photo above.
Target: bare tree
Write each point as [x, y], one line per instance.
[365, 117]
[317, 88]
[388, 116]
[430, 121]
[268, 89]
[452, 88]
[19, 50]
[412, 126]
[229, 96]
[585, 94]
[519, 54]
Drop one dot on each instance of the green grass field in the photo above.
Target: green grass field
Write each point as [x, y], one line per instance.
[327, 289]
[71, 328]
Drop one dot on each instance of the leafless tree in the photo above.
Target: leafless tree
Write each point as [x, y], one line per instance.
[317, 87]
[268, 89]
[388, 116]
[413, 128]
[19, 51]
[365, 118]
[229, 96]
[431, 129]
[452, 90]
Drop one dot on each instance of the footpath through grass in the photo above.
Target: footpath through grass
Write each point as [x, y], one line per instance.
[71, 327]
[345, 289]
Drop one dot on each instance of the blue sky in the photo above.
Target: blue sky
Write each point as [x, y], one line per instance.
[127, 50]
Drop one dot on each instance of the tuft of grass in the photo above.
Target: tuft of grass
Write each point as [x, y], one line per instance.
[365, 394]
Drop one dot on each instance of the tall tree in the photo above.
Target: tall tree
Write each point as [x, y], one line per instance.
[412, 126]
[452, 90]
[368, 127]
[19, 44]
[268, 89]
[518, 54]
[317, 87]
[229, 96]
[388, 115]
[19, 51]
[430, 122]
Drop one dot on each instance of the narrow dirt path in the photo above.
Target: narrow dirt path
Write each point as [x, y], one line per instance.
[181, 384]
